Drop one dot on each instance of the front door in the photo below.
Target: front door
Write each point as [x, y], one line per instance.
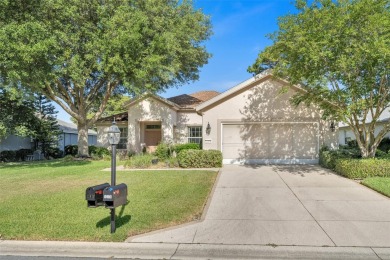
[152, 136]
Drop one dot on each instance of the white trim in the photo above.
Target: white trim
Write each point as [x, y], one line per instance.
[269, 161]
[272, 161]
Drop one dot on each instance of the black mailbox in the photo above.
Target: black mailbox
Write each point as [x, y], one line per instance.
[115, 196]
[94, 195]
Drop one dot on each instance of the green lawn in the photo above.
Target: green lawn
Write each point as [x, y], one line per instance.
[380, 184]
[46, 200]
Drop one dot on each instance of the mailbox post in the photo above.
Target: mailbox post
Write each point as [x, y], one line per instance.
[113, 139]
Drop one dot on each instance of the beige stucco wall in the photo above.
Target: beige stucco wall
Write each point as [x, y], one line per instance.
[268, 101]
[150, 110]
[185, 119]
[102, 136]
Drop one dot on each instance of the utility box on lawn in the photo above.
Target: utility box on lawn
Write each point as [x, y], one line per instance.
[115, 196]
[94, 195]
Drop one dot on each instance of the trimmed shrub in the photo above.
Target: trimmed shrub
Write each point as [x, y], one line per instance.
[98, 151]
[71, 149]
[329, 158]
[163, 151]
[139, 161]
[200, 158]
[20, 155]
[55, 153]
[179, 147]
[7, 156]
[363, 168]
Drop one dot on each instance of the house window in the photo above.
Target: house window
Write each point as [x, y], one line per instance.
[195, 135]
[123, 139]
[153, 127]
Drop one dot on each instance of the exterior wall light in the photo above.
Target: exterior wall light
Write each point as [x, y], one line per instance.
[208, 128]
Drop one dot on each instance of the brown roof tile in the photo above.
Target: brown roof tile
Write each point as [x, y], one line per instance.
[185, 100]
[194, 99]
[204, 95]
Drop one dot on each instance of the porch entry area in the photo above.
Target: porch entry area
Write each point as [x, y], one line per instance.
[150, 135]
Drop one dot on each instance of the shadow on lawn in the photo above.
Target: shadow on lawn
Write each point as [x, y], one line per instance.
[50, 163]
[120, 220]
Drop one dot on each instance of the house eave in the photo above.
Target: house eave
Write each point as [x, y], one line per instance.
[147, 95]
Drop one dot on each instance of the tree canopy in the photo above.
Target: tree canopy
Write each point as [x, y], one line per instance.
[79, 52]
[17, 112]
[339, 52]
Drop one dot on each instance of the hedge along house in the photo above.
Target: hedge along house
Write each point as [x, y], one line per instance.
[252, 123]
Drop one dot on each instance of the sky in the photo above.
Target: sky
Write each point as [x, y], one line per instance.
[240, 31]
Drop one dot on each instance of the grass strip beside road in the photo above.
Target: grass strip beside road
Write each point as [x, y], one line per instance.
[46, 200]
[379, 184]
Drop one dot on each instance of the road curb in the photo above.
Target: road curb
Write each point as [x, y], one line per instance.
[184, 251]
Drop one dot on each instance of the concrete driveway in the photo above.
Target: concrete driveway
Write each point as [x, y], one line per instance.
[286, 205]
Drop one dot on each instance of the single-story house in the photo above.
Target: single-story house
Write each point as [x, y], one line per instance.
[252, 123]
[346, 134]
[68, 136]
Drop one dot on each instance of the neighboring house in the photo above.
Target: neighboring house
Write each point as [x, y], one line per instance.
[253, 122]
[13, 143]
[346, 134]
[68, 136]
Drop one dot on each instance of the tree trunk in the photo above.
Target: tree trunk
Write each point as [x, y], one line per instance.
[82, 141]
[367, 150]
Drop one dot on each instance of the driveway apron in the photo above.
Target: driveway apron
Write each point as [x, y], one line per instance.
[286, 205]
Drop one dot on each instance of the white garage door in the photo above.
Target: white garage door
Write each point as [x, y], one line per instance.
[279, 143]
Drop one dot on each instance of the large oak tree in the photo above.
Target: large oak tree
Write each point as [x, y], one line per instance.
[339, 52]
[80, 52]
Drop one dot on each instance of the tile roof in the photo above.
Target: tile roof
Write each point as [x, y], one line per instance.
[194, 99]
[205, 95]
[185, 100]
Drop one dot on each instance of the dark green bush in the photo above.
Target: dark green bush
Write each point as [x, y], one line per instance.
[200, 158]
[21, 154]
[352, 144]
[363, 168]
[8, 156]
[328, 157]
[179, 147]
[54, 152]
[384, 145]
[71, 149]
[163, 151]
[381, 154]
[98, 151]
